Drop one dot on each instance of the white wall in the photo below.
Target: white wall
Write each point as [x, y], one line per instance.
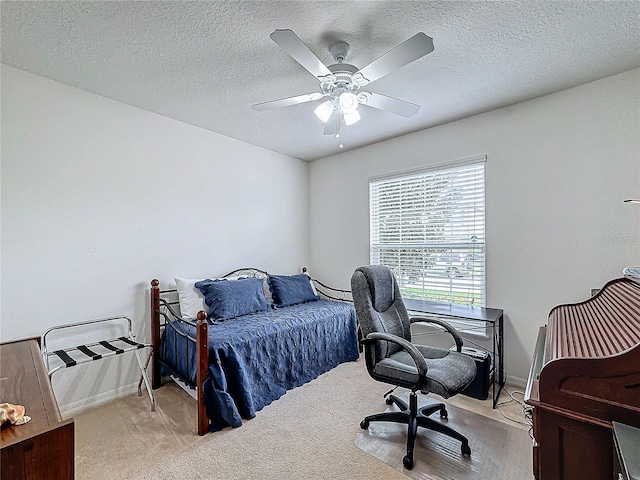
[99, 197]
[558, 169]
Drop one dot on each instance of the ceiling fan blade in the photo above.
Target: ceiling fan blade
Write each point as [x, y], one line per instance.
[393, 105]
[408, 51]
[331, 127]
[291, 43]
[285, 102]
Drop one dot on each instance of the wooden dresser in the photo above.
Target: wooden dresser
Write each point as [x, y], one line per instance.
[44, 447]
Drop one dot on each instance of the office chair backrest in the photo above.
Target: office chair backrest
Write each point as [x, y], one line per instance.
[379, 307]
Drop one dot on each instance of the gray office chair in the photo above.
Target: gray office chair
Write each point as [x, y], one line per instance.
[392, 358]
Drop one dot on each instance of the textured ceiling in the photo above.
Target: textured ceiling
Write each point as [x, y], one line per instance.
[205, 63]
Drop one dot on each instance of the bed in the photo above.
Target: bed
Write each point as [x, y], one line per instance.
[235, 367]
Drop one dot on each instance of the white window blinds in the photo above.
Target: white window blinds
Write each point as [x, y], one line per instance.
[428, 227]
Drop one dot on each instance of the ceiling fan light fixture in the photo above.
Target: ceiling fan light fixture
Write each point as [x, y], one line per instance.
[351, 118]
[359, 80]
[324, 111]
[348, 103]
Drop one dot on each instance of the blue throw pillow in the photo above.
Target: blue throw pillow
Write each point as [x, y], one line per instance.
[290, 290]
[229, 299]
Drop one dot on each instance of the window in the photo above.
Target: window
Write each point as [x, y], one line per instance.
[428, 227]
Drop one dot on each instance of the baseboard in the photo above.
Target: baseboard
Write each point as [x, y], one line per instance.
[75, 408]
[68, 411]
[516, 382]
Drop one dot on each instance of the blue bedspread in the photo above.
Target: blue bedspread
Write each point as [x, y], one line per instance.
[255, 359]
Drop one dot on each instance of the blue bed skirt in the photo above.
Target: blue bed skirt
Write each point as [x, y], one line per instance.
[255, 359]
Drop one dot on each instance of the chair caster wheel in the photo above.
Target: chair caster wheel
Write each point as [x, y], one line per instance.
[466, 450]
[388, 401]
[407, 461]
[364, 424]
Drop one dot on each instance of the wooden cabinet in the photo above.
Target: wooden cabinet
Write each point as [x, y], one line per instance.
[571, 447]
[44, 447]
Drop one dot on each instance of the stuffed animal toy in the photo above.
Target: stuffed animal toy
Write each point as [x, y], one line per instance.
[13, 414]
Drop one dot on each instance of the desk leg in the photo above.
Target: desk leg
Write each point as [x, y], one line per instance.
[498, 359]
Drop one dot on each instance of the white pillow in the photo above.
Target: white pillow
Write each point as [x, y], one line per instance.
[191, 299]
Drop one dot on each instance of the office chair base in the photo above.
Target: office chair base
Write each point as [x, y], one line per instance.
[413, 417]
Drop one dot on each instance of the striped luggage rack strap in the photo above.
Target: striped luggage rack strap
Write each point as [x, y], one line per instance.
[109, 349]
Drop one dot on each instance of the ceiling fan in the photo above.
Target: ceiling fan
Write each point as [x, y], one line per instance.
[342, 84]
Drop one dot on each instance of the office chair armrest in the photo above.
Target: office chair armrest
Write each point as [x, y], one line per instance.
[454, 333]
[407, 346]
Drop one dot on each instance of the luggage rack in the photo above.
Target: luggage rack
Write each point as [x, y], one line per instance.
[97, 350]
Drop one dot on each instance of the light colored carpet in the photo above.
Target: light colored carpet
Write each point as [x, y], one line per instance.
[308, 433]
[438, 457]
